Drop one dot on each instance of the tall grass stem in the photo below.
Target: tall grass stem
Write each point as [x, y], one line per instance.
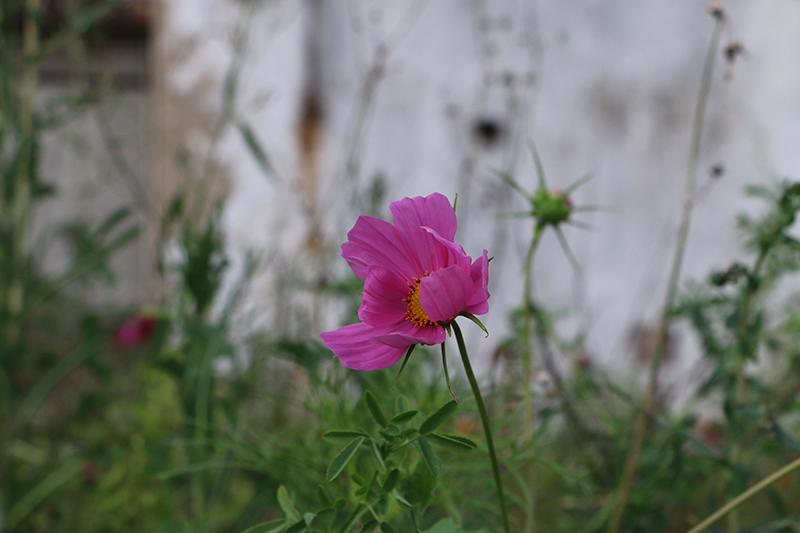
[640, 426]
[746, 495]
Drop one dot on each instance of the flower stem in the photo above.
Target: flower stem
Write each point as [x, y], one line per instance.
[527, 392]
[640, 426]
[473, 383]
[746, 495]
[526, 335]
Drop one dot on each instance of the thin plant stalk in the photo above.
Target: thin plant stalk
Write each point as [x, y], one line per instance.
[527, 393]
[746, 495]
[526, 335]
[640, 426]
[20, 209]
[487, 431]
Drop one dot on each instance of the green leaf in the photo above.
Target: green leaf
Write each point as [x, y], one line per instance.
[297, 527]
[418, 488]
[391, 480]
[256, 150]
[402, 418]
[386, 528]
[375, 409]
[322, 496]
[369, 527]
[407, 434]
[786, 440]
[287, 505]
[342, 436]
[378, 457]
[400, 404]
[397, 496]
[393, 430]
[438, 418]
[427, 453]
[341, 460]
[273, 526]
[453, 442]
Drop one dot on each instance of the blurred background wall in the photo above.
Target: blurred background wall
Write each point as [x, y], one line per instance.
[314, 111]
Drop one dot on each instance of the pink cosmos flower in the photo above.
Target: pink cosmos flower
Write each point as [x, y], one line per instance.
[416, 279]
[135, 331]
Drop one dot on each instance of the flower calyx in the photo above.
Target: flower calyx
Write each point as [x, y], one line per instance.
[551, 207]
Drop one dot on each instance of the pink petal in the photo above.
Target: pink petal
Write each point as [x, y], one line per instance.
[406, 333]
[373, 241]
[444, 293]
[352, 345]
[433, 211]
[382, 302]
[479, 272]
[448, 253]
[412, 214]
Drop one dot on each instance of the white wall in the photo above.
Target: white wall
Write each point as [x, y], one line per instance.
[606, 88]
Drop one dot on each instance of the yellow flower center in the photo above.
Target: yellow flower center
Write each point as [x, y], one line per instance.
[415, 313]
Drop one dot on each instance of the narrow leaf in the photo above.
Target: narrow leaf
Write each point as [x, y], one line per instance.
[298, 527]
[403, 366]
[322, 496]
[341, 460]
[438, 418]
[446, 373]
[375, 409]
[407, 434]
[475, 319]
[538, 163]
[386, 528]
[505, 176]
[286, 504]
[391, 480]
[273, 526]
[399, 497]
[342, 436]
[453, 442]
[402, 418]
[256, 150]
[369, 527]
[430, 457]
[378, 457]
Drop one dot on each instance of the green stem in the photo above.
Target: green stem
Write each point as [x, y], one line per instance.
[527, 392]
[640, 426]
[473, 383]
[526, 335]
[746, 495]
[360, 508]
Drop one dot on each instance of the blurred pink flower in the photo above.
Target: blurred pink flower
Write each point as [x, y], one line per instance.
[135, 331]
[416, 279]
